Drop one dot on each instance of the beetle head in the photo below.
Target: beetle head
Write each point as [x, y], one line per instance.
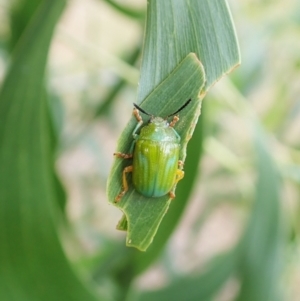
[159, 120]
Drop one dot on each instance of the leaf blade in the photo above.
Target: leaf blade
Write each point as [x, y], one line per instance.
[140, 208]
[176, 28]
[33, 265]
[203, 286]
[171, 36]
[261, 246]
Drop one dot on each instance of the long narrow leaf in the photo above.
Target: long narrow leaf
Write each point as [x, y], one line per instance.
[261, 247]
[174, 29]
[202, 287]
[33, 265]
[151, 211]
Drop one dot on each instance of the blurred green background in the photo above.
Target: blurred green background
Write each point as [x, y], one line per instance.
[238, 237]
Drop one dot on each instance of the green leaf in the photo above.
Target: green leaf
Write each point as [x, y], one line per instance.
[261, 247]
[150, 210]
[20, 15]
[177, 27]
[127, 11]
[107, 101]
[292, 172]
[33, 264]
[174, 30]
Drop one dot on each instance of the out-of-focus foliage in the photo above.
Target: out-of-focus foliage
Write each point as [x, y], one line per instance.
[33, 264]
[238, 238]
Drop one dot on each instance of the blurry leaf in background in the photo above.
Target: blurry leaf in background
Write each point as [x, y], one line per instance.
[33, 265]
[202, 287]
[102, 109]
[130, 12]
[173, 30]
[21, 13]
[261, 256]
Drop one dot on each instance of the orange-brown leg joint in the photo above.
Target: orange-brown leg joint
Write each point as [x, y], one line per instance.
[122, 155]
[125, 184]
[180, 164]
[179, 176]
[137, 115]
[173, 122]
[172, 194]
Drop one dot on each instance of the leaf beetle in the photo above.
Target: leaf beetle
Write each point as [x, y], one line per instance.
[156, 168]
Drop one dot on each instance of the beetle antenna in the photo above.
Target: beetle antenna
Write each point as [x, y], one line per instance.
[181, 108]
[140, 109]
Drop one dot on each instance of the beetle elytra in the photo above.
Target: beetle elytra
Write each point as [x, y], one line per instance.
[156, 167]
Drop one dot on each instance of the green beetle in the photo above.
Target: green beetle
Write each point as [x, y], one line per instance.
[156, 168]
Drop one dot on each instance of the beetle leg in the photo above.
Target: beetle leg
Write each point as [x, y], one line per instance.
[134, 134]
[175, 133]
[173, 122]
[180, 164]
[139, 120]
[126, 156]
[122, 155]
[125, 184]
[179, 176]
[137, 115]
